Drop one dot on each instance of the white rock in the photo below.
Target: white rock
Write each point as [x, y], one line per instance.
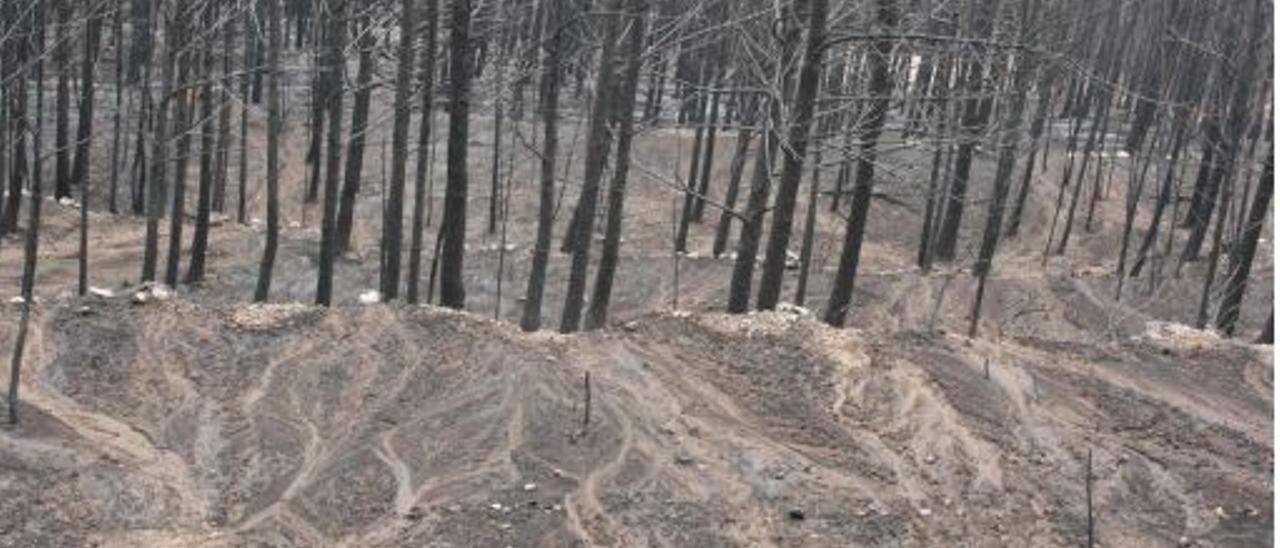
[530, 486]
[66, 201]
[372, 296]
[101, 292]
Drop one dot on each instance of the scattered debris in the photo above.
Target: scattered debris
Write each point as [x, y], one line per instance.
[151, 291]
[414, 514]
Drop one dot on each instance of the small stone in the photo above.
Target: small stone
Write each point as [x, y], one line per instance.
[683, 458]
[925, 512]
[795, 514]
[1220, 512]
[530, 486]
[414, 514]
[1184, 541]
[496, 506]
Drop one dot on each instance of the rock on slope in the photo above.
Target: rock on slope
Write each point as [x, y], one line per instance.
[285, 425]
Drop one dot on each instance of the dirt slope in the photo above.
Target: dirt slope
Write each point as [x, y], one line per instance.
[173, 424]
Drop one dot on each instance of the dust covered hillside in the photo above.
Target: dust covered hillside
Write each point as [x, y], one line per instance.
[172, 424]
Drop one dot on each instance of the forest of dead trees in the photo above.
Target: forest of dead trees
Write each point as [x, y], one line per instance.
[1176, 91]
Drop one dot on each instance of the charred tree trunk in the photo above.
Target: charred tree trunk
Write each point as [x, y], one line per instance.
[333, 66]
[182, 129]
[359, 129]
[973, 120]
[736, 166]
[598, 144]
[62, 106]
[393, 217]
[274, 123]
[598, 310]
[775, 259]
[204, 189]
[879, 87]
[531, 316]
[160, 149]
[1008, 143]
[454, 230]
[422, 169]
[1243, 252]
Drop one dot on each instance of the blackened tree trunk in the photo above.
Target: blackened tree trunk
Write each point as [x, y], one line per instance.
[598, 310]
[775, 258]
[333, 65]
[972, 122]
[140, 49]
[15, 77]
[274, 123]
[258, 51]
[393, 217]
[1043, 101]
[549, 103]
[182, 129]
[242, 173]
[879, 87]
[1237, 125]
[761, 179]
[453, 293]
[204, 188]
[421, 173]
[117, 113]
[37, 133]
[84, 125]
[84, 130]
[1008, 142]
[1100, 114]
[1243, 252]
[62, 106]
[736, 167]
[598, 144]
[160, 148]
[359, 128]
[691, 196]
[222, 156]
[810, 227]
[708, 155]
[31, 252]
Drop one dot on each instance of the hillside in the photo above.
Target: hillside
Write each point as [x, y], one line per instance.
[172, 424]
